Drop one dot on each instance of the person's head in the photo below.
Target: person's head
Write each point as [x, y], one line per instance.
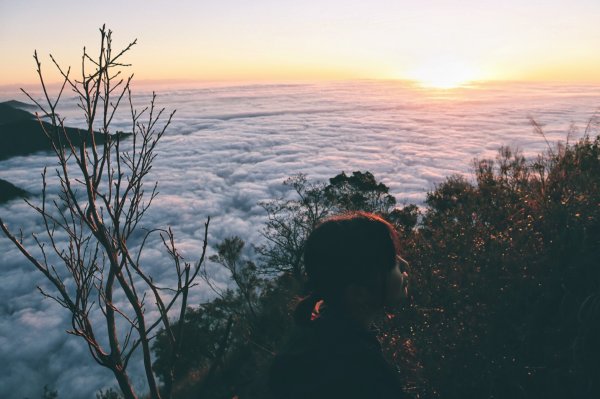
[352, 261]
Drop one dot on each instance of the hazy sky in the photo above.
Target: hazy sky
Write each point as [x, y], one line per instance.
[425, 40]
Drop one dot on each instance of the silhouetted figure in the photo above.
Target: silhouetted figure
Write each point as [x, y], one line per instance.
[353, 270]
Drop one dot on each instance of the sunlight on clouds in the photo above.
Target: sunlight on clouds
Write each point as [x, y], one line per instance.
[443, 73]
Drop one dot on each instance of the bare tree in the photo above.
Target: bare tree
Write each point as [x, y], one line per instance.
[243, 272]
[102, 199]
[289, 223]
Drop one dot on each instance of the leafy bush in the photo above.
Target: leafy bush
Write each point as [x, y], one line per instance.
[505, 274]
[506, 278]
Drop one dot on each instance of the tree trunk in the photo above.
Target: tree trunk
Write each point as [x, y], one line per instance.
[124, 384]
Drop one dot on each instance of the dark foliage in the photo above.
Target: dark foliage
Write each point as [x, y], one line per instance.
[506, 279]
[505, 282]
[359, 192]
[229, 341]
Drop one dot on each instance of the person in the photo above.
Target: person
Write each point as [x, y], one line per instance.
[354, 270]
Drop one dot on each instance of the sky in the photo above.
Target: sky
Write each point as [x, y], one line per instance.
[440, 43]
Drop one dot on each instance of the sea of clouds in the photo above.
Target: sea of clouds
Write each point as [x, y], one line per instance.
[230, 147]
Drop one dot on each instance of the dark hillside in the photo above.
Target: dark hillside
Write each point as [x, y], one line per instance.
[22, 134]
[9, 191]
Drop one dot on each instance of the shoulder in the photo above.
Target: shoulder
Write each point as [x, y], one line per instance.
[324, 362]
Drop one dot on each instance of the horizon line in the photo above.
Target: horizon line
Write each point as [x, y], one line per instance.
[274, 81]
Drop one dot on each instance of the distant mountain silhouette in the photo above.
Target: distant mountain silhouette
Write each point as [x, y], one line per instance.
[20, 105]
[10, 112]
[9, 191]
[21, 133]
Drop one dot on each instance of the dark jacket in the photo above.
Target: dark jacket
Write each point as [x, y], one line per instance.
[333, 358]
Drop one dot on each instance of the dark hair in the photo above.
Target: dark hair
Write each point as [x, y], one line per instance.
[352, 248]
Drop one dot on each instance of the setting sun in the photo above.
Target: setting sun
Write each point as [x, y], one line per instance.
[441, 73]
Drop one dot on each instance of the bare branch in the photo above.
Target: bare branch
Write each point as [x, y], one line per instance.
[88, 227]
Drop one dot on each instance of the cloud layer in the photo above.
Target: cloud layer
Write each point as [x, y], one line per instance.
[231, 147]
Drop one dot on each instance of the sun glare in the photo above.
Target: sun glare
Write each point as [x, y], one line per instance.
[443, 74]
